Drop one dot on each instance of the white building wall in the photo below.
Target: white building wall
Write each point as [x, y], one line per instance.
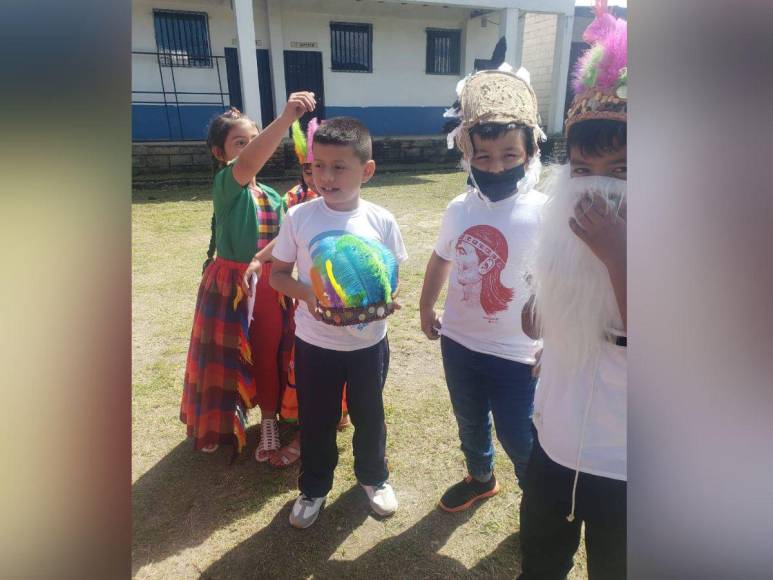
[483, 34]
[222, 33]
[399, 49]
[538, 52]
[399, 46]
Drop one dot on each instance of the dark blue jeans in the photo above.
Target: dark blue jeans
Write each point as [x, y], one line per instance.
[482, 386]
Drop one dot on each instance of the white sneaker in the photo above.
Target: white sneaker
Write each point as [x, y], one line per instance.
[382, 498]
[306, 511]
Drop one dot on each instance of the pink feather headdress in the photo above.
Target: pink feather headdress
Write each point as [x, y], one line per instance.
[303, 142]
[600, 77]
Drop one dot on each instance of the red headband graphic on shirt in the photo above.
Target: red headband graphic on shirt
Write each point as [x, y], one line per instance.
[491, 252]
[492, 258]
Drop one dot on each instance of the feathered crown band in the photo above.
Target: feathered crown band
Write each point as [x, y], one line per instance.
[600, 77]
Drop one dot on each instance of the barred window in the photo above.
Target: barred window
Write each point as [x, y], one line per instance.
[443, 51]
[351, 47]
[182, 38]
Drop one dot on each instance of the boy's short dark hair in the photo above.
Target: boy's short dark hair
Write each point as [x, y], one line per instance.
[597, 137]
[346, 131]
[488, 131]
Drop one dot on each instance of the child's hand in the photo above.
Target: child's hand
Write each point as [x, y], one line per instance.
[311, 303]
[603, 230]
[254, 268]
[298, 104]
[430, 324]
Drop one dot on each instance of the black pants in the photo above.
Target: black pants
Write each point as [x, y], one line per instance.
[320, 375]
[549, 541]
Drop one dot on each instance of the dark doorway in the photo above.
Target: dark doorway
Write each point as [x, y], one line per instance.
[303, 72]
[264, 83]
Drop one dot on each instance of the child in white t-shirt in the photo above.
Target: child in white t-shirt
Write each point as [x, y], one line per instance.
[578, 470]
[486, 237]
[330, 353]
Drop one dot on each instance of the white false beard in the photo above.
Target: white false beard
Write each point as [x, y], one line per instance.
[575, 301]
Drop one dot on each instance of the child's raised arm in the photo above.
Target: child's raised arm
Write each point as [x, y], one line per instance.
[254, 156]
[435, 278]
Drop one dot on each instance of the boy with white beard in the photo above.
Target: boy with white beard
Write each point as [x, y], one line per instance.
[577, 470]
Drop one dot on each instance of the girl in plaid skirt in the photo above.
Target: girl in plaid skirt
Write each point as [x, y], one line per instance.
[233, 366]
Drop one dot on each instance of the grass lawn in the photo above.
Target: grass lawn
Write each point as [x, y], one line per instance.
[194, 515]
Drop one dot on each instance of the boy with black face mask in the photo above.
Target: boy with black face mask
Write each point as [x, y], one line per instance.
[486, 236]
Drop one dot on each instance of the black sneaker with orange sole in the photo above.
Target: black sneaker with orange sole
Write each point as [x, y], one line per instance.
[462, 495]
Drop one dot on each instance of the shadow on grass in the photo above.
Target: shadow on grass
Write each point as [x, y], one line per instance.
[279, 551]
[500, 562]
[187, 496]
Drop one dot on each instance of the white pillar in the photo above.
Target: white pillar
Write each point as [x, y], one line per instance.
[469, 58]
[518, 53]
[511, 27]
[276, 50]
[563, 47]
[248, 60]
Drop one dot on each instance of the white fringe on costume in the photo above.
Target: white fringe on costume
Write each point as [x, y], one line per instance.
[575, 301]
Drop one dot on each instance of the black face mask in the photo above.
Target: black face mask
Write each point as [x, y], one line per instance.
[497, 186]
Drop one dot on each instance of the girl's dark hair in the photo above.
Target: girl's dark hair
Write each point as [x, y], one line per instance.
[488, 131]
[211, 249]
[303, 185]
[597, 137]
[217, 133]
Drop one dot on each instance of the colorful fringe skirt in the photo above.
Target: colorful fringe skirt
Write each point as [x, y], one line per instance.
[271, 339]
[289, 410]
[219, 386]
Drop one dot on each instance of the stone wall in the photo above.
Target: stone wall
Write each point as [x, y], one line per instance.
[539, 40]
[389, 153]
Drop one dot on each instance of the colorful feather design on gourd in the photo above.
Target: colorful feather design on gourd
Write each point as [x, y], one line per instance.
[319, 288]
[362, 271]
[355, 272]
[603, 66]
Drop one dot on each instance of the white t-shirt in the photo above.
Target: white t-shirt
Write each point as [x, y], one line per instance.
[562, 399]
[307, 221]
[489, 244]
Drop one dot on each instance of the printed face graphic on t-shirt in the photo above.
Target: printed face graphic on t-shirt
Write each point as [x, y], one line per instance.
[467, 264]
[481, 255]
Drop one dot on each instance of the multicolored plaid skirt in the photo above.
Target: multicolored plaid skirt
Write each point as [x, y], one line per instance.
[219, 386]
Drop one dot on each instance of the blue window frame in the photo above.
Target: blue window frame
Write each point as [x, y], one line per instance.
[351, 47]
[182, 38]
[443, 51]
